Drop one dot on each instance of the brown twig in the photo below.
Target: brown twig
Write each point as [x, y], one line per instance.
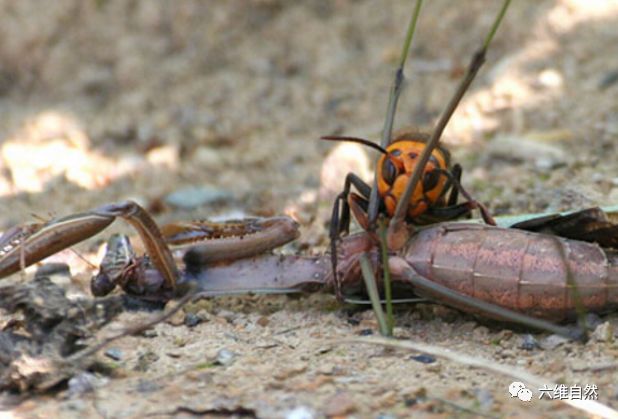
[397, 223]
[391, 107]
[132, 330]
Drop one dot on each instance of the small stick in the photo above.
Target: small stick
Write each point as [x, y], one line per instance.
[573, 291]
[397, 86]
[397, 223]
[83, 259]
[591, 407]
[388, 290]
[22, 263]
[374, 296]
[492, 309]
[132, 330]
[485, 215]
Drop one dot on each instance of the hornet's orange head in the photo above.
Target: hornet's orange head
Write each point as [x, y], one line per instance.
[396, 167]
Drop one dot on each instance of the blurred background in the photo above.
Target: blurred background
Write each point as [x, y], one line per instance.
[205, 108]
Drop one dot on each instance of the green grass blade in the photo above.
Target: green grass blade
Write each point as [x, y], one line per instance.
[386, 272]
[374, 296]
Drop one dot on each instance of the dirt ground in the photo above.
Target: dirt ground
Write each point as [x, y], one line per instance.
[102, 101]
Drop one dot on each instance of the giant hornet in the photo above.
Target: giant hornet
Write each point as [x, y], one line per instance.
[428, 203]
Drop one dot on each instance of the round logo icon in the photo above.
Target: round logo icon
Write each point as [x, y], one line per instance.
[519, 390]
[515, 387]
[525, 395]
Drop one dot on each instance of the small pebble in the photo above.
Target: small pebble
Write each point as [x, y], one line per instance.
[410, 401]
[447, 314]
[365, 332]
[556, 366]
[480, 333]
[340, 404]
[114, 353]
[225, 357]
[593, 320]
[204, 315]
[552, 342]
[145, 360]
[507, 353]
[353, 321]
[545, 164]
[207, 157]
[177, 319]
[603, 332]
[424, 358]
[608, 79]
[192, 320]
[150, 333]
[229, 316]
[550, 78]
[166, 155]
[290, 371]
[82, 383]
[300, 412]
[147, 386]
[76, 405]
[484, 398]
[529, 342]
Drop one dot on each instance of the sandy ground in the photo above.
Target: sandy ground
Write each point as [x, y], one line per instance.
[102, 101]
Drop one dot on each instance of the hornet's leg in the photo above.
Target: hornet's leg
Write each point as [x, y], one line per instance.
[458, 210]
[340, 219]
[456, 171]
[341, 223]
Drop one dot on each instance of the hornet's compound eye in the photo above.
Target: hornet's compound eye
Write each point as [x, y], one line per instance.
[389, 171]
[430, 180]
